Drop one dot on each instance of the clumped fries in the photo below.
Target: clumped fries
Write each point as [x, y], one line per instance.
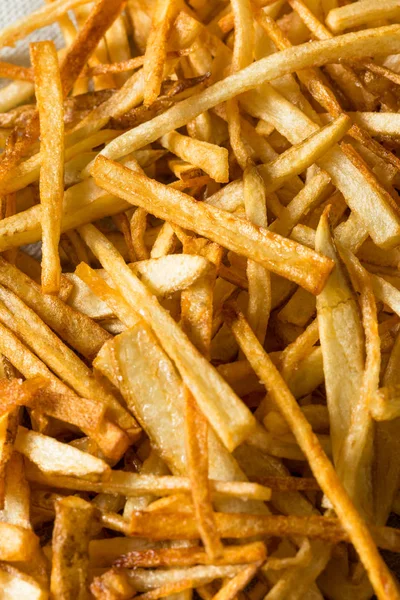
[203, 394]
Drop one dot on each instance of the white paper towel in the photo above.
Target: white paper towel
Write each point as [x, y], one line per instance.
[11, 11]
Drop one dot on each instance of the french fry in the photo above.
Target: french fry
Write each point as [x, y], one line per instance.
[17, 583]
[154, 60]
[346, 17]
[237, 583]
[243, 51]
[355, 45]
[335, 306]
[49, 98]
[359, 478]
[17, 543]
[183, 352]
[212, 159]
[177, 557]
[196, 444]
[16, 497]
[75, 328]
[386, 440]
[113, 583]
[69, 575]
[197, 300]
[136, 486]
[327, 476]
[144, 580]
[52, 456]
[138, 224]
[258, 278]
[60, 359]
[204, 219]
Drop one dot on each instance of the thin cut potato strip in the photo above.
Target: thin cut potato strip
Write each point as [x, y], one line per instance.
[48, 90]
[258, 244]
[43, 451]
[170, 557]
[353, 45]
[200, 301]
[323, 469]
[183, 353]
[196, 444]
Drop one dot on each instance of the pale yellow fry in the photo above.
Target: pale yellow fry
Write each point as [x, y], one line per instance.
[258, 277]
[387, 442]
[156, 48]
[322, 468]
[17, 584]
[272, 251]
[361, 13]
[385, 404]
[212, 159]
[49, 98]
[304, 202]
[386, 292]
[358, 446]
[243, 51]
[235, 585]
[361, 190]
[16, 498]
[342, 344]
[382, 40]
[227, 414]
[52, 456]
[379, 123]
[303, 154]
[197, 299]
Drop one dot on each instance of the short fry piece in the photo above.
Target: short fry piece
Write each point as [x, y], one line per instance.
[69, 573]
[156, 48]
[52, 456]
[212, 159]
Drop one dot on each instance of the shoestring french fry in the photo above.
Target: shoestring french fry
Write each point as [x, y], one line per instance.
[48, 90]
[202, 398]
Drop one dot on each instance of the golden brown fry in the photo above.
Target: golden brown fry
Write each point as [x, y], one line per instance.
[171, 557]
[196, 444]
[75, 328]
[99, 20]
[322, 468]
[49, 99]
[156, 48]
[232, 232]
[259, 281]
[69, 572]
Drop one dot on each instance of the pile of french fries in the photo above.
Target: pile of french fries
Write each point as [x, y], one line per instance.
[200, 378]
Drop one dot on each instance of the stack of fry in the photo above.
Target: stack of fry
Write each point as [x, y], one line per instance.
[199, 381]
